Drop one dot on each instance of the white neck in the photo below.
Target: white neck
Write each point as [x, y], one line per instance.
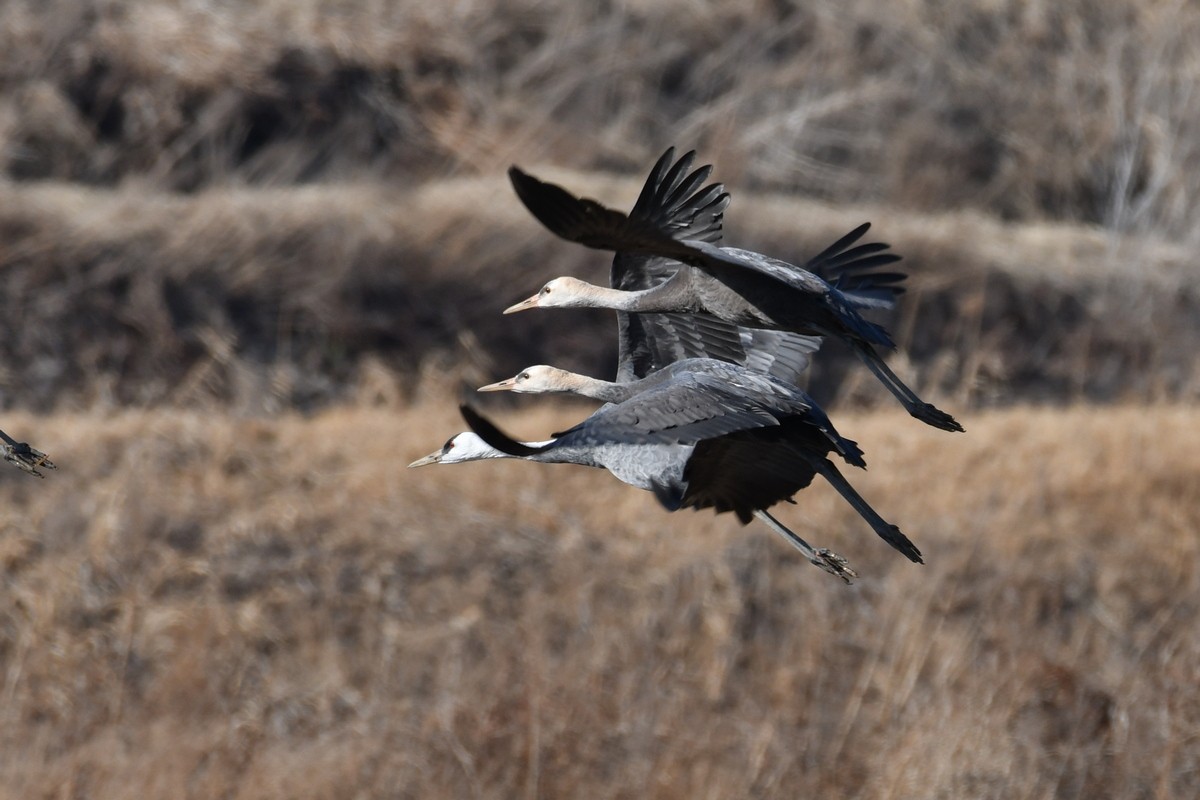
[587, 386]
[469, 447]
[644, 300]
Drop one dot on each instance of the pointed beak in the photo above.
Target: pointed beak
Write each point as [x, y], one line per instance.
[432, 458]
[524, 305]
[499, 386]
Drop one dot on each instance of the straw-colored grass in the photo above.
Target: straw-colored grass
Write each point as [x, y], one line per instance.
[201, 606]
[263, 203]
[218, 216]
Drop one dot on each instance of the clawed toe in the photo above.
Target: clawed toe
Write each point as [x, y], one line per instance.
[26, 458]
[932, 415]
[834, 564]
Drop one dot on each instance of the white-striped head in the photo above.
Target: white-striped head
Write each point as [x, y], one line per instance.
[465, 446]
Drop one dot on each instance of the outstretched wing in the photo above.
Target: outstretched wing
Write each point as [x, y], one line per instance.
[682, 411]
[589, 223]
[851, 270]
[781, 354]
[671, 200]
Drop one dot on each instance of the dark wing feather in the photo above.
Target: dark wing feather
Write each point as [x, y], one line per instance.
[755, 469]
[649, 342]
[850, 270]
[589, 223]
[742, 473]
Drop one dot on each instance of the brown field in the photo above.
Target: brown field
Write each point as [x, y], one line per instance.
[208, 607]
[253, 203]
[253, 254]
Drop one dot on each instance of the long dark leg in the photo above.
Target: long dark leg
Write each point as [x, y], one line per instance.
[889, 533]
[827, 560]
[923, 411]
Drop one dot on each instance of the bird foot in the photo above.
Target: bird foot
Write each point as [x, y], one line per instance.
[932, 415]
[24, 457]
[834, 564]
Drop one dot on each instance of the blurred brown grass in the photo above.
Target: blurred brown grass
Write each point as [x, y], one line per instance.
[202, 606]
[265, 204]
[216, 217]
[268, 299]
[1081, 111]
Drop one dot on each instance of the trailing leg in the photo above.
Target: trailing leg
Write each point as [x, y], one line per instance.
[827, 560]
[889, 533]
[926, 412]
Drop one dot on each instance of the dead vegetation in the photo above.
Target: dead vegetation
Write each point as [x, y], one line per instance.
[267, 204]
[1076, 111]
[215, 215]
[253, 294]
[206, 607]
[267, 299]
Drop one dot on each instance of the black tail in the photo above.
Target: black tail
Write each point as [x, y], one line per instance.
[495, 437]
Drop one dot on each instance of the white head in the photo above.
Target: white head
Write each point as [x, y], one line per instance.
[465, 446]
[535, 380]
[558, 293]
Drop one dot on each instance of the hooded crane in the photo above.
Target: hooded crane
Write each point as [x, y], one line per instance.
[738, 286]
[672, 200]
[743, 469]
[655, 440]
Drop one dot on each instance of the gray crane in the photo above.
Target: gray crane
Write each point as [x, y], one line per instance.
[663, 451]
[735, 467]
[737, 286]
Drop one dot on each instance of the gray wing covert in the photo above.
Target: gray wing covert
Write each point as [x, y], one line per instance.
[680, 412]
[780, 354]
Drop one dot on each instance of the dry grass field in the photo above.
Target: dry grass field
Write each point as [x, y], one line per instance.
[252, 256]
[198, 606]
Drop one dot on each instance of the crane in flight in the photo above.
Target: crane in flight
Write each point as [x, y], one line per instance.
[737, 286]
[728, 467]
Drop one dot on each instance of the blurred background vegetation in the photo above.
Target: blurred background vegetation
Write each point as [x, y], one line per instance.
[254, 203]
[252, 253]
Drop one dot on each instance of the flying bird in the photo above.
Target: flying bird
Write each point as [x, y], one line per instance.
[704, 379]
[658, 467]
[740, 287]
[747, 470]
